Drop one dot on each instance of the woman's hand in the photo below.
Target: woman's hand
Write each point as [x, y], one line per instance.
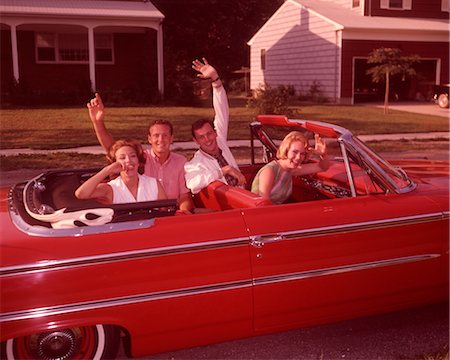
[320, 147]
[114, 168]
[96, 109]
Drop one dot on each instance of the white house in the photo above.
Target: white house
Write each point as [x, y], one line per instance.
[326, 43]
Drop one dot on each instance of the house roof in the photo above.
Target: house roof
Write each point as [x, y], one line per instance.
[81, 8]
[346, 19]
[351, 19]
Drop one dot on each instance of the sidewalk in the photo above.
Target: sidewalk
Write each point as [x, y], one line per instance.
[187, 145]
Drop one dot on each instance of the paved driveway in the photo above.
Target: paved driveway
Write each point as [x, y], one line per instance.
[427, 108]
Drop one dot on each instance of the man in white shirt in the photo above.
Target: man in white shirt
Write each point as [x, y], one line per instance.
[214, 160]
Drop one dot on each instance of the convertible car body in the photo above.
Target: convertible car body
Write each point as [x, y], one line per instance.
[361, 238]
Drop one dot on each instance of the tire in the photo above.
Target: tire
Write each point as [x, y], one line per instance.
[443, 101]
[87, 342]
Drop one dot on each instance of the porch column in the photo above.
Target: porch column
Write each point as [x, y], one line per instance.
[160, 56]
[91, 47]
[15, 56]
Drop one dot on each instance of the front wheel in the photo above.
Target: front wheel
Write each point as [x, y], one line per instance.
[87, 342]
[443, 100]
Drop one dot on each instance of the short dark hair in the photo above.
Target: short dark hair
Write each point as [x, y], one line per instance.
[161, 122]
[111, 156]
[199, 124]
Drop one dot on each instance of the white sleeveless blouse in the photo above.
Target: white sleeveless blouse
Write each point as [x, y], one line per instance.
[147, 190]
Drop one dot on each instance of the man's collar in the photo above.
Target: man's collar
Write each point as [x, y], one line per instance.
[156, 157]
[209, 155]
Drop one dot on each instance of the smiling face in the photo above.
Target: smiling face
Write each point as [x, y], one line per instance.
[296, 154]
[127, 156]
[206, 138]
[160, 138]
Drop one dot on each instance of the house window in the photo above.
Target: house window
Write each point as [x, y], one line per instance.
[396, 4]
[355, 3]
[263, 59]
[72, 48]
[445, 5]
[103, 48]
[45, 47]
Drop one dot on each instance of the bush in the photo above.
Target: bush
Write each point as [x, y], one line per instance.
[314, 94]
[273, 100]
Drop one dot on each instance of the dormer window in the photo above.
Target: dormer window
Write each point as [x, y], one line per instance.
[396, 4]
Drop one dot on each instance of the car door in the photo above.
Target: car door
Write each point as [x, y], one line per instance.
[319, 261]
[173, 282]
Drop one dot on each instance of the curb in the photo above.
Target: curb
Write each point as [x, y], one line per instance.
[189, 145]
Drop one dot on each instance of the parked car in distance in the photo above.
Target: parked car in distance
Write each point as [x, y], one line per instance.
[440, 96]
[363, 237]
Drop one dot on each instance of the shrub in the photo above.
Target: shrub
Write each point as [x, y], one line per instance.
[273, 100]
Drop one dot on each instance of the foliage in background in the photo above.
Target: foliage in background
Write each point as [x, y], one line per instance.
[216, 29]
[390, 62]
[314, 94]
[274, 100]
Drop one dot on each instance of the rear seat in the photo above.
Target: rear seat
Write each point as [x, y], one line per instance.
[220, 196]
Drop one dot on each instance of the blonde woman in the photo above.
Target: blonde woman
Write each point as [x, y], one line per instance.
[274, 180]
[127, 159]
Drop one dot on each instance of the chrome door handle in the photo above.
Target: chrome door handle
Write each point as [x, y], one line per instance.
[260, 240]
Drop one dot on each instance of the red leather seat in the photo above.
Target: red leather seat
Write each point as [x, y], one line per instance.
[220, 196]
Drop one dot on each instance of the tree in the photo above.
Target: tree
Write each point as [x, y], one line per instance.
[216, 29]
[390, 62]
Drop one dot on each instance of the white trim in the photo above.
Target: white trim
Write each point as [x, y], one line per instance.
[338, 76]
[438, 71]
[395, 35]
[91, 47]
[160, 54]
[15, 53]
[101, 343]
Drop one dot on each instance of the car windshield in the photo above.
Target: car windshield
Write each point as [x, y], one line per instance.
[395, 174]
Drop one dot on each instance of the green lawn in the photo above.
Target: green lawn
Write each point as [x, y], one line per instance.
[71, 127]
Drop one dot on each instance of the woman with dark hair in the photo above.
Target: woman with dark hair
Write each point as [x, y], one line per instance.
[126, 159]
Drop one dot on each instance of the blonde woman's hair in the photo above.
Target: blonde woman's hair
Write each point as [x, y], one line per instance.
[131, 143]
[293, 136]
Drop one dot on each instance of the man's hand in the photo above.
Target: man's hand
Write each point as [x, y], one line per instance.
[206, 71]
[96, 109]
[229, 170]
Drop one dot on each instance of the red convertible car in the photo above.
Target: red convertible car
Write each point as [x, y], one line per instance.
[363, 237]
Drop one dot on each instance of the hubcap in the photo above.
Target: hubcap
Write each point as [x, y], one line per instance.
[56, 345]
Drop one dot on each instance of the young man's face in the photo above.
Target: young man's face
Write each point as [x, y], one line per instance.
[206, 137]
[160, 138]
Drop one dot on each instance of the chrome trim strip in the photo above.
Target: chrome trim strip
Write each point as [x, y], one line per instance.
[169, 250]
[348, 168]
[199, 290]
[343, 269]
[365, 225]
[120, 301]
[120, 256]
